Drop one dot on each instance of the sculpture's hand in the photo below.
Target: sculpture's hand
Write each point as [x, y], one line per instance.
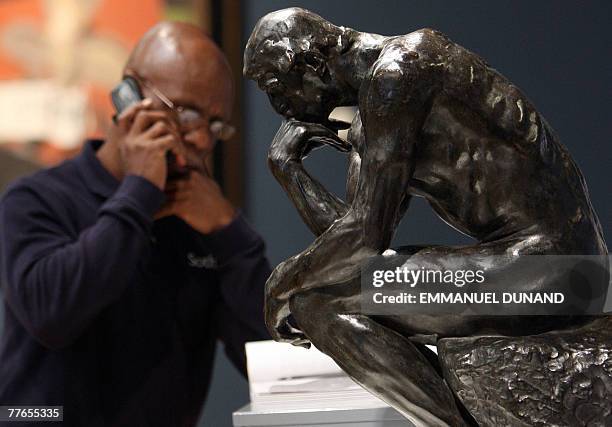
[295, 140]
[277, 320]
[277, 312]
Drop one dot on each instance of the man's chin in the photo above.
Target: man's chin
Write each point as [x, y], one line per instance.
[177, 173]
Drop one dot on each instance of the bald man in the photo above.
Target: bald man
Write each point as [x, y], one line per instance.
[121, 269]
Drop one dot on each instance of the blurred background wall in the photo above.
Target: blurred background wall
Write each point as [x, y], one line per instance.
[558, 52]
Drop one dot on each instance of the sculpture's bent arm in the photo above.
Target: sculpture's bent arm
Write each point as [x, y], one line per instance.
[391, 126]
[318, 207]
[366, 230]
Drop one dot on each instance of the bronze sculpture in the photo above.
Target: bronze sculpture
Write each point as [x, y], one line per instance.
[434, 120]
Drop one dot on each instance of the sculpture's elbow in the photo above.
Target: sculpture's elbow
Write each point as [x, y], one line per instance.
[278, 164]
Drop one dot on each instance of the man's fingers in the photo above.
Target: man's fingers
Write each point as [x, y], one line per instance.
[144, 119]
[162, 127]
[126, 117]
[177, 193]
[169, 142]
[172, 207]
[167, 209]
[178, 185]
[165, 142]
[178, 197]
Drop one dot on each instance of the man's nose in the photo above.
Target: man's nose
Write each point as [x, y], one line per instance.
[201, 140]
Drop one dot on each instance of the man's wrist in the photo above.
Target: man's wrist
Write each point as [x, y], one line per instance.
[144, 175]
[146, 195]
[223, 221]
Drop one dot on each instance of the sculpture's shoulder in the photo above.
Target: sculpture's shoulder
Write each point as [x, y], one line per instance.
[423, 47]
[423, 38]
[404, 62]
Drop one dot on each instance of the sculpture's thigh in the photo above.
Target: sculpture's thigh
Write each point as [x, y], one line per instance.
[317, 309]
[427, 329]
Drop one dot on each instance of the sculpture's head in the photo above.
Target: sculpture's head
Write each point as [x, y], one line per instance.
[288, 55]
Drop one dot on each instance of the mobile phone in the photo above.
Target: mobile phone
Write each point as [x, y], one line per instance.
[125, 94]
[128, 93]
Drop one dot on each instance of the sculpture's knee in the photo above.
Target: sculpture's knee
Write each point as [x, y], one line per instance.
[300, 305]
[309, 310]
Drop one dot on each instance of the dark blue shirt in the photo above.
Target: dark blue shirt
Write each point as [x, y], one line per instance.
[110, 314]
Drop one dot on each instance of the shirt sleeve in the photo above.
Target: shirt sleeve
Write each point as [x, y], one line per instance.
[56, 283]
[242, 271]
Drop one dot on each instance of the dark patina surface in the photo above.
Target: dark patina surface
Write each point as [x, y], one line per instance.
[435, 121]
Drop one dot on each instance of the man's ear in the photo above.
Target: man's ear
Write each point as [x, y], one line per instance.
[316, 62]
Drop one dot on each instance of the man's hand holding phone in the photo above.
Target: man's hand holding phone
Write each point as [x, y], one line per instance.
[144, 137]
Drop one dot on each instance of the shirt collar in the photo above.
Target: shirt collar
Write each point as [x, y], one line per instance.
[95, 176]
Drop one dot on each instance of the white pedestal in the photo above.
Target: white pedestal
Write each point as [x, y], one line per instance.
[348, 417]
[291, 386]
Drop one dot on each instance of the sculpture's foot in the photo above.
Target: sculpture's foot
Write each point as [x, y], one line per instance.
[557, 378]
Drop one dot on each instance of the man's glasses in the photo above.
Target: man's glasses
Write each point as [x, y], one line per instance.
[190, 119]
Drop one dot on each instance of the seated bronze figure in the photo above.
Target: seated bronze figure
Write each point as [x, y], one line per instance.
[435, 121]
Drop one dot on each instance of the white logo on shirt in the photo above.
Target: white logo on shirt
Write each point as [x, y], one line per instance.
[207, 261]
